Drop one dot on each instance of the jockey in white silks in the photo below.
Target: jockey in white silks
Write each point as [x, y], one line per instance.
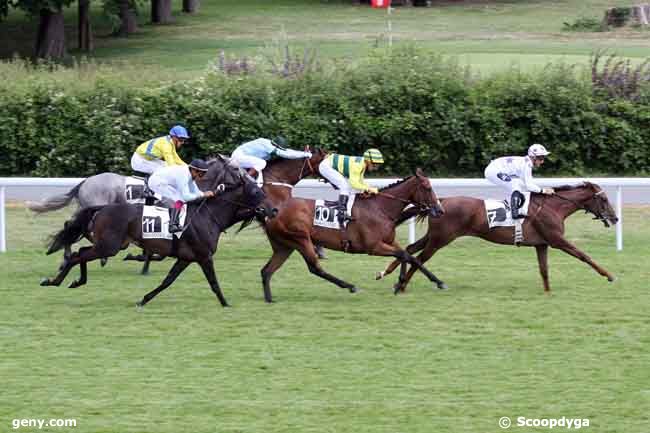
[514, 174]
[254, 155]
[178, 183]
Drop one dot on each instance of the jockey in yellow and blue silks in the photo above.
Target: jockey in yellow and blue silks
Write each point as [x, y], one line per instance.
[346, 173]
[160, 152]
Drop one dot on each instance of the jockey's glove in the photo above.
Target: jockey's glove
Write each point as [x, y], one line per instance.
[549, 191]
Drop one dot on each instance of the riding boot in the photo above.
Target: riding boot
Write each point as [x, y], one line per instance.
[342, 210]
[516, 201]
[174, 220]
[149, 195]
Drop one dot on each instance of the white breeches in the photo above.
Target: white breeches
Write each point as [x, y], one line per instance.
[164, 189]
[138, 163]
[506, 183]
[240, 160]
[337, 179]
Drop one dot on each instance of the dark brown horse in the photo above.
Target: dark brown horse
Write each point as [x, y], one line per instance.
[372, 230]
[113, 227]
[544, 227]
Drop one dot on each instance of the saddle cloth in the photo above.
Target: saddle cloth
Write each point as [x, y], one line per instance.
[498, 212]
[134, 190]
[325, 213]
[155, 222]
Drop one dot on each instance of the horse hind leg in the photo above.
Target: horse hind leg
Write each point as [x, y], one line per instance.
[84, 255]
[280, 255]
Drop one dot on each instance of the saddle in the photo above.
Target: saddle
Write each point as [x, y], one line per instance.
[147, 193]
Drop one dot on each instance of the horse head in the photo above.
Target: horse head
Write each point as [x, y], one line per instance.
[598, 204]
[231, 185]
[591, 198]
[424, 193]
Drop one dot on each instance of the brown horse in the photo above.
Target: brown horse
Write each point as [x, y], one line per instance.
[544, 227]
[372, 230]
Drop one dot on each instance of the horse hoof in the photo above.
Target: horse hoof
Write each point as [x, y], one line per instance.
[379, 275]
[74, 284]
[611, 278]
[139, 305]
[128, 257]
[353, 289]
[144, 273]
[45, 282]
[443, 286]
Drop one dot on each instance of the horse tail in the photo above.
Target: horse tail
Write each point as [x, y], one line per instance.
[55, 202]
[73, 230]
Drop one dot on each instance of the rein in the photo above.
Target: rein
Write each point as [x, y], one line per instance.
[581, 207]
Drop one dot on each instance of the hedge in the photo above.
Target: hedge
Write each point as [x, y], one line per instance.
[421, 111]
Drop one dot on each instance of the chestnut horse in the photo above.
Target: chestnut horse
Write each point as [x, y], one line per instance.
[371, 231]
[544, 227]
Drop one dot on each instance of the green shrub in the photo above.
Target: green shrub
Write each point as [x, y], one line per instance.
[420, 110]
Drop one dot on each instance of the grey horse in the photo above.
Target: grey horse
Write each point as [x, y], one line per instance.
[99, 190]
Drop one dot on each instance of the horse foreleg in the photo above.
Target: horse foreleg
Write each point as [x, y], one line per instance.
[411, 249]
[174, 272]
[208, 270]
[562, 244]
[542, 260]
[280, 255]
[308, 253]
[404, 257]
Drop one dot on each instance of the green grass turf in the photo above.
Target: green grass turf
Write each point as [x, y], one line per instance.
[323, 360]
[490, 35]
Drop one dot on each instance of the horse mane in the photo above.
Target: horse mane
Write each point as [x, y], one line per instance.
[572, 187]
[395, 183]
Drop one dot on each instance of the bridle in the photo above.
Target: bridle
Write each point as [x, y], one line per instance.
[306, 163]
[222, 187]
[597, 215]
[421, 206]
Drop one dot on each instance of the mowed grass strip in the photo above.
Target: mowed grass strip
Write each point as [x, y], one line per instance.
[321, 359]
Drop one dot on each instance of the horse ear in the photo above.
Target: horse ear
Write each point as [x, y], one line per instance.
[419, 172]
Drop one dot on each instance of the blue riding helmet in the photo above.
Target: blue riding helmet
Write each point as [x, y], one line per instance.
[179, 131]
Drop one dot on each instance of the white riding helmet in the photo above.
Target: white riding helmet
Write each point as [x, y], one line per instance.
[537, 150]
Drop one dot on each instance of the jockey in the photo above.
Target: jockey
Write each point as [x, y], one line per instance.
[514, 174]
[177, 183]
[160, 152]
[254, 154]
[346, 173]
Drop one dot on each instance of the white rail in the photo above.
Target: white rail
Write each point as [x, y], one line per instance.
[618, 183]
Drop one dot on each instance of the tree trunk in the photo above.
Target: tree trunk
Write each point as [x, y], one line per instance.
[85, 31]
[191, 6]
[50, 38]
[161, 11]
[127, 15]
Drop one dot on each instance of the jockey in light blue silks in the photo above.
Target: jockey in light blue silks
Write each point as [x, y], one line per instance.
[254, 155]
[514, 174]
[178, 184]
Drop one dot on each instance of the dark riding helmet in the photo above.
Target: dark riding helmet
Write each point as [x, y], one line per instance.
[199, 164]
[279, 142]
